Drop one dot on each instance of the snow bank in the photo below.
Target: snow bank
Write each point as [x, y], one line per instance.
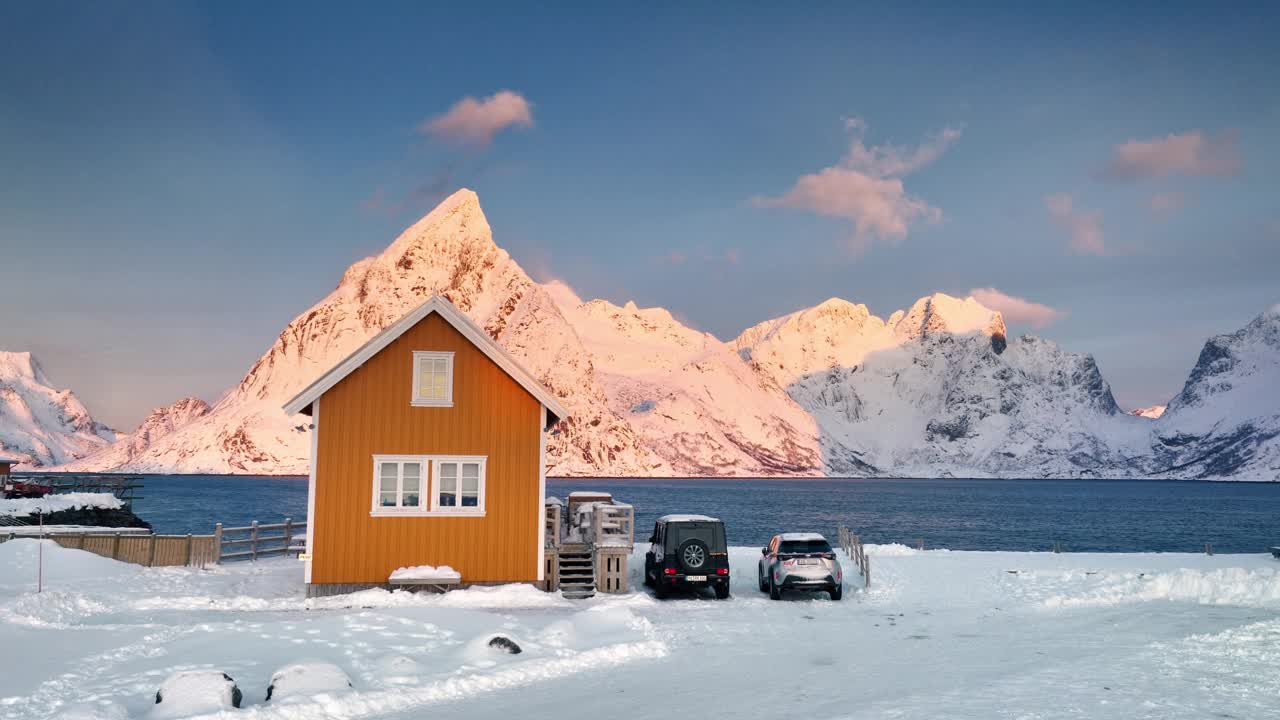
[426, 573]
[1226, 586]
[19, 507]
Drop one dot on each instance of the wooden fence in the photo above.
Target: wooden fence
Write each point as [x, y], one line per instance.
[251, 542]
[141, 549]
[851, 543]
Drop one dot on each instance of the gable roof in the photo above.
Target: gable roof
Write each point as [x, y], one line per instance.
[460, 322]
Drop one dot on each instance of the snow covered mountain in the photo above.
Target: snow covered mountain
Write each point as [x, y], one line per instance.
[1226, 420]
[936, 389]
[688, 396]
[1151, 413]
[41, 425]
[450, 251]
[159, 423]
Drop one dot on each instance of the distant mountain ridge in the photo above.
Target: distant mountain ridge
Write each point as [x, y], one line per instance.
[937, 389]
[40, 424]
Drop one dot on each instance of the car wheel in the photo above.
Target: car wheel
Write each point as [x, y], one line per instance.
[659, 591]
[694, 556]
[837, 592]
[764, 586]
[722, 592]
[775, 592]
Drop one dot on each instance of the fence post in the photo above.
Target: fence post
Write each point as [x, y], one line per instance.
[288, 535]
[920, 544]
[1208, 548]
[253, 542]
[866, 575]
[115, 547]
[188, 549]
[217, 544]
[151, 552]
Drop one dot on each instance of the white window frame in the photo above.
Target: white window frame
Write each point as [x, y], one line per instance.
[436, 508]
[428, 487]
[424, 462]
[420, 355]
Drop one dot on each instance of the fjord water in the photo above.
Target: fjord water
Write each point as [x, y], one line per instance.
[1023, 515]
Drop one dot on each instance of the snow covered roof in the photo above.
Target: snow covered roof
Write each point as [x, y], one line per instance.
[801, 537]
[687, 518]
[461, 323]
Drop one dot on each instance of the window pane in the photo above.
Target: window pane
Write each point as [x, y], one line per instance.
[448, 499]
[387, 499]
[412, 472]
[410, 499]
[387, 477]
[470, 500]
[440, 367]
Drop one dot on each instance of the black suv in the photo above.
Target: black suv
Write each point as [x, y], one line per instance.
[687, 551]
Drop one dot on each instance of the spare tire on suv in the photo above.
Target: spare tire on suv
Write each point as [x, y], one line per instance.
[687, 552]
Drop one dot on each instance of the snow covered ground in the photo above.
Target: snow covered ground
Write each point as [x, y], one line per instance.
[939, 635]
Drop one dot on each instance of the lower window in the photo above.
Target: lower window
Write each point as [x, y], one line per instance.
[428, 485]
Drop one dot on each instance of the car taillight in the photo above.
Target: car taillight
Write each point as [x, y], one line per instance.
[722, 571]
[788, 562]
[828, 556]
[669, 571]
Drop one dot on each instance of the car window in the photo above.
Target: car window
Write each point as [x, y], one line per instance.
[804, 546]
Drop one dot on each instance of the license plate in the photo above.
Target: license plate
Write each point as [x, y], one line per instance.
[695, 578]
[809, 561]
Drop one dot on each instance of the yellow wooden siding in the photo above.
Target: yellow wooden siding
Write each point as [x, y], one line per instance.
[369, 413]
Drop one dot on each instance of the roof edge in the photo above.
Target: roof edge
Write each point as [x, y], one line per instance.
[460, 322]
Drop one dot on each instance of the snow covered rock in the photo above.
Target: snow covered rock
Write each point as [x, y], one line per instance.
[306, 679]
[39, 424]
[196, 692]
[504, 644]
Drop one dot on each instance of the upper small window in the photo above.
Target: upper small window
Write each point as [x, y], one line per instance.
[433, 378]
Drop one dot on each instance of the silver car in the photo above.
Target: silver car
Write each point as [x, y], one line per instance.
[800, 561]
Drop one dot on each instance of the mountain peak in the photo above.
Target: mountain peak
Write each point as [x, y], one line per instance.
[21, 364]
[942, 313]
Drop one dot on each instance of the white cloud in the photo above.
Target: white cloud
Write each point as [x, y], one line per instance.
[894, 160]
[1191, 153]
[1084, 229]
[1016, 309]
[476, 122]
[866, 187]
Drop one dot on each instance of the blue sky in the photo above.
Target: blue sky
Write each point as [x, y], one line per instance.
[178, 181]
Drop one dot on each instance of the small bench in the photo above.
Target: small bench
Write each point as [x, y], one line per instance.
[425, 577]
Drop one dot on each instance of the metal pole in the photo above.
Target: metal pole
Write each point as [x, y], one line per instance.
[40, 553]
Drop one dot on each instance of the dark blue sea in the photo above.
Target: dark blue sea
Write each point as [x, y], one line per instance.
[1083, 515]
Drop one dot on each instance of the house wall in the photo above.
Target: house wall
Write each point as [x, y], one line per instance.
[369, 413]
